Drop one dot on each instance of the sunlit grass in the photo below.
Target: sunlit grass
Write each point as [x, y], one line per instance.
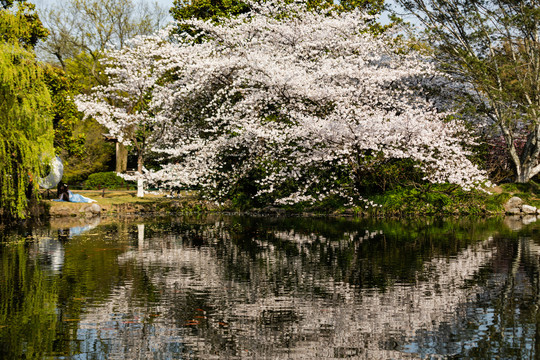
[116, 201]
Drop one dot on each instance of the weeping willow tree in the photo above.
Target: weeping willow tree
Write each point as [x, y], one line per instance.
[26, 131]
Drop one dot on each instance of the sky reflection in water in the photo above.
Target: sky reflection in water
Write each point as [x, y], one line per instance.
[219, 287]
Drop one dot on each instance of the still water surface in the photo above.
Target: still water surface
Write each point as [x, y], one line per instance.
[226, 287]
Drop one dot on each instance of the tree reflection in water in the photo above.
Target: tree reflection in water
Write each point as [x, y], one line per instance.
[239, 287]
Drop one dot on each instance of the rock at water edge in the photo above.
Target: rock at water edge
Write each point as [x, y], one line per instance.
[513, 211]
[528, 209]
[513, 203]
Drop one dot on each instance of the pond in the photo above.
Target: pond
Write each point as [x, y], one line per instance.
[238, 287]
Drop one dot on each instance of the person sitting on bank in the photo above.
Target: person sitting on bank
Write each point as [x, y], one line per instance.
[64, 194]
[62, 191]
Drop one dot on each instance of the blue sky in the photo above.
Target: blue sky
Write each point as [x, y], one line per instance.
[167, 4]
[41, 4]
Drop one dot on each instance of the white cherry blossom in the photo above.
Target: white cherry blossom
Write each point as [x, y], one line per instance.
[297, 97]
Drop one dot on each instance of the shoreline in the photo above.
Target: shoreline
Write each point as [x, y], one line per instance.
[120, 203]
[405, 203]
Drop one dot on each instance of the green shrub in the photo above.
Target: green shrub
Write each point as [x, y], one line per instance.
[438, 199]
[107, 180]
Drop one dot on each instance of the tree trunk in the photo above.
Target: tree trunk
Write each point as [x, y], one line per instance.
[140, 184]
[523, 176]
[526, 164]
[140, 163]
[121, 157]
[526, 170]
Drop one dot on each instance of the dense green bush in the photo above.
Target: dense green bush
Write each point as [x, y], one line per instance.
[107, 180]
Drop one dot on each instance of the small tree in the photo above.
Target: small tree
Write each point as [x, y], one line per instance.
[122, 106]
[495, 47]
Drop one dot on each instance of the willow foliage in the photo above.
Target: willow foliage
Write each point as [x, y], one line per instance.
[26, 131]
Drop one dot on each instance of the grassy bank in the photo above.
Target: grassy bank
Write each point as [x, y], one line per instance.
[126, 202]
[446, 199]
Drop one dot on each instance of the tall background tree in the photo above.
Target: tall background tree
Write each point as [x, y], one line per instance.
[26, 133]
[493, 45]
[207, 9]
[81, 30]
[219, 9]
